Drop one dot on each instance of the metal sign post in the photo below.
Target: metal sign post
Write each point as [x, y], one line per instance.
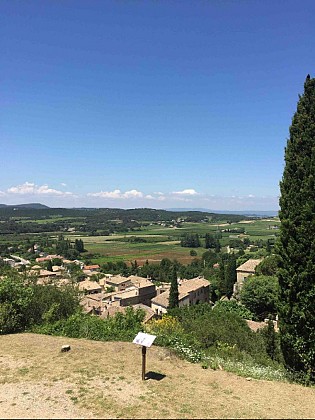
[145, 340]
[144, 353]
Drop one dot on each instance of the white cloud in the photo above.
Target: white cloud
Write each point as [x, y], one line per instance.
[149, 197]
[63, 184]
[29, 188]
[2, 193]
[117, 194]
[106, 194]
[133, 194]
[188, 191]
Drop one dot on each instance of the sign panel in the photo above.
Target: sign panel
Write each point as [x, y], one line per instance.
[144, 339]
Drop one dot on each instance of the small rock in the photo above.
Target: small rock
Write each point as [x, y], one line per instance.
[248, 379]
[65, 348]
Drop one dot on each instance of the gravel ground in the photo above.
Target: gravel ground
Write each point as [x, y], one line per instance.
[103, 380]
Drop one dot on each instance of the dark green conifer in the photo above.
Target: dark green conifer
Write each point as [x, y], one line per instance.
[173, 299]
[297, 239]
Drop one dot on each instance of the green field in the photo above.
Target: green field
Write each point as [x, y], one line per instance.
[163, 242]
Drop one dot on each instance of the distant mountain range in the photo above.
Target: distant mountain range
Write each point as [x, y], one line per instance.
[259, 213]
[25, 206]
[262, 213]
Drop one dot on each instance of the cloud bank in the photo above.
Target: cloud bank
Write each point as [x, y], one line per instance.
[136, 198]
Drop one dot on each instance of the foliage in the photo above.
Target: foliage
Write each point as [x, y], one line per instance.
[49, 265]
[211, 241]
[15, 300]
[119, 327]
[136, 240]
[269, 266]
[296, 242]
[233, 307]
[23, 303]
[260, 295]
[207, 334]
[272, 341]
[79, 245]
[64, 248]
[173, 297]
[51, 303]
[190, 240]
[164, 328]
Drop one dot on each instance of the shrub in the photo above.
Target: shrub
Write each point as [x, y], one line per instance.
[23, 303]
[233, 307]
[260, 295]
[119, 327]
[15, 300]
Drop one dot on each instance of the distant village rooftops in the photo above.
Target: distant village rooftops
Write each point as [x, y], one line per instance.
[117, 280]
[91, 267]
[90, 286]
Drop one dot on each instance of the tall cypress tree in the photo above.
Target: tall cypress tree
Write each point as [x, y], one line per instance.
[297, 239]
[173, 299]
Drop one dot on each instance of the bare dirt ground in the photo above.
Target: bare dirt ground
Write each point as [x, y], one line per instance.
[103, 380]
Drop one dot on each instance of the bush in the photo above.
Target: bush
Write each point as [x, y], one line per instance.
[233, 307]
[119, 327]
[260, 295]
[15, 300]
[216, 331]
[23, 303]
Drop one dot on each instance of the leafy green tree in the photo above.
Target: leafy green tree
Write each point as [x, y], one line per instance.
[190, 240]
[296, 241]
[271, 340]
[134, 267]
[230, 274]
[49, 265]
[173, 299]
[226, 275]
[79, 245]
[269, 266]
[15, 299]
[210, 241]
[234, 307]
[260, 295]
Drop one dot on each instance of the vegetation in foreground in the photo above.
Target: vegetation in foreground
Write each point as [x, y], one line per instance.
[296, 244]
[214, 337]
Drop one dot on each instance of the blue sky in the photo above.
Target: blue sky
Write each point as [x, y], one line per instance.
[150, 103]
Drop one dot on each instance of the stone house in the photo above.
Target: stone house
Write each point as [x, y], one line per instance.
[243, 271]
[89, 287]
[118, 283]
[191, 292]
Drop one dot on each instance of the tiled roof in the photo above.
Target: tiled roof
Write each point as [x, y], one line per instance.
[184, 289]
[254, 325]
[192, 284]
[162, 299]
[89, 285]
[118, 280]
[140, 281]
[249, 265]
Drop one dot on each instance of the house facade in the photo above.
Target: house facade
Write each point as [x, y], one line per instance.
[243, 271]
[191, 292]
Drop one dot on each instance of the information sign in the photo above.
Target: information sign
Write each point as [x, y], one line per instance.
[144, 339]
